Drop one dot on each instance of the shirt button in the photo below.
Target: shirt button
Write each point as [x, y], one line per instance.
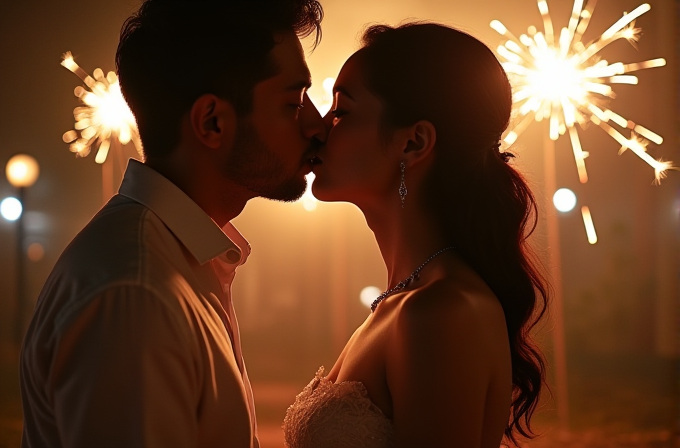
[233, 256]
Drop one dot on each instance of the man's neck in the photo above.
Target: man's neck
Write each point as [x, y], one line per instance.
[218, 197]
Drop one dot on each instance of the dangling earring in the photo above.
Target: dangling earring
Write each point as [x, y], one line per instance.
[402, 186]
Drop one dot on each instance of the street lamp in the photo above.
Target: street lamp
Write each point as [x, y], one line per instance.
[22, 171]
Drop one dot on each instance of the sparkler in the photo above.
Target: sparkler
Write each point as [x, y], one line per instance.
[563, 80]
[105, 118]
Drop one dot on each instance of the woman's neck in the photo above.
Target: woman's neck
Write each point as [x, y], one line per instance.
[406, 237]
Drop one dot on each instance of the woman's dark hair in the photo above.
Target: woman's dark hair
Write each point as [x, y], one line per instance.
[427, 71]
[173, 51]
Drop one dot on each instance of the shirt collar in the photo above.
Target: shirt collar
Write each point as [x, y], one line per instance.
[185, 219]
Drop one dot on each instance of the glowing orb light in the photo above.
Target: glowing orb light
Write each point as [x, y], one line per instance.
[105, 116]
[35, 252]
[11, 209]
[562, 79]
[564, 200]
[22, 170]
[368, 295]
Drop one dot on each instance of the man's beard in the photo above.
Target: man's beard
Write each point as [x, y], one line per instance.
[252, 165]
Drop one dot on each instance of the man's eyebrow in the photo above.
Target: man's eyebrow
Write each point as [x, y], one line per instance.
[341, 89]
[301, 84]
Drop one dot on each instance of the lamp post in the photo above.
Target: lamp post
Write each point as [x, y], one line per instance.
[22, 171]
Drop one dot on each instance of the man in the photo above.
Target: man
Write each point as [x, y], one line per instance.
[134, 341]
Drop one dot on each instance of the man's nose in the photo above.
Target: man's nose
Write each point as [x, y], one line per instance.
[313, 125]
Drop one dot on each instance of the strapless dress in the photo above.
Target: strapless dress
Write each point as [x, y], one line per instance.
[336, 415]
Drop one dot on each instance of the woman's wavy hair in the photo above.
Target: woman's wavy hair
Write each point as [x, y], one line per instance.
[171, 52]
[428, 71]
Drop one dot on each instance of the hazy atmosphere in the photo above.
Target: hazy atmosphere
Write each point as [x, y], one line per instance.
[615, 332]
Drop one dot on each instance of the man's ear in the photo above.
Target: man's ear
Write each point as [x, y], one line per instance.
[420, 140]
[213, 120]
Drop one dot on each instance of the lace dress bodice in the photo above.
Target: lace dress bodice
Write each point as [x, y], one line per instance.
[336, 415]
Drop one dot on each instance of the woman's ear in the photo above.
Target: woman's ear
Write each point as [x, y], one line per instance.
[421, 138]
[213, 120]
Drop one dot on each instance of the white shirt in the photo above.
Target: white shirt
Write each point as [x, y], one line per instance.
[134, 341]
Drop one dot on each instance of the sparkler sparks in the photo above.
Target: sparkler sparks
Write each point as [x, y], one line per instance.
[104, 119]
[590, 228]
[563, 80]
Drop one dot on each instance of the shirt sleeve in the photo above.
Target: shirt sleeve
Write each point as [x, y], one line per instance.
[124, 374]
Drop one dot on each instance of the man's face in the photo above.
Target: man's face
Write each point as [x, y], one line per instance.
[274, 145]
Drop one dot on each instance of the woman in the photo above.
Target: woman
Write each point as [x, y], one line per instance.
[445, 358]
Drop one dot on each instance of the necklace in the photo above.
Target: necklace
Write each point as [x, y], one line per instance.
[415, 275]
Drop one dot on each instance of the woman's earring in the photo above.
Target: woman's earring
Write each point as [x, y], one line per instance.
[402, 186]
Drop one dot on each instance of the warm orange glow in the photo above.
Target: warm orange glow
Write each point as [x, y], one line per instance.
[35, 252]
[105, 117]
[22, 170]
[563, 80]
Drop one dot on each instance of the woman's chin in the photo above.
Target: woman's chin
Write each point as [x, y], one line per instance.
[325, 193]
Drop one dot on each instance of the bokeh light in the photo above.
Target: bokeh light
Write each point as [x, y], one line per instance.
[11, 208]
[22, 170]
[323, 97]
[368, 295]
[35, 252]
[564, 200]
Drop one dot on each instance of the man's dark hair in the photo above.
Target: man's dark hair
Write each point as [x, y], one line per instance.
[173, 51]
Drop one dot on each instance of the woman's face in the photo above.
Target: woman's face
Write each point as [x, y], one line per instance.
[357, 164]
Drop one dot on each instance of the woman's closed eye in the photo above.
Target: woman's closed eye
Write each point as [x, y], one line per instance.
[337, 113]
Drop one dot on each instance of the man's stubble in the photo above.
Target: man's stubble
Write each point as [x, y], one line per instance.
[254, 166]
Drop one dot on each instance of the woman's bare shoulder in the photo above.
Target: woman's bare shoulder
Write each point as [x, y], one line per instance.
[444, 318]
[447, 301]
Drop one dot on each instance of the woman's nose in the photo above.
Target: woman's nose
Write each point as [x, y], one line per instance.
[328, 119]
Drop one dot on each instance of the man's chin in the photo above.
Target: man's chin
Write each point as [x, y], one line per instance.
[289, 192]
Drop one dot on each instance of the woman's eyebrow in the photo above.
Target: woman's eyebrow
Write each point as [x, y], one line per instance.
[341, 89]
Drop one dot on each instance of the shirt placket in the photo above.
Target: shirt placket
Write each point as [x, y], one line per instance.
[225, 273]
[225, 277]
